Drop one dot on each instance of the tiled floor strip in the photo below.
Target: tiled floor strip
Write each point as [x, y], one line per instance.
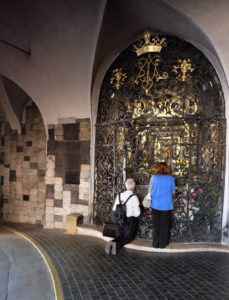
[54, 276]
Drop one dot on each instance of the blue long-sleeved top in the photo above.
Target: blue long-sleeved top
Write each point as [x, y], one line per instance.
[161, 194]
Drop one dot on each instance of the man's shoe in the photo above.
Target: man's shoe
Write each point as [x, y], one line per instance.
[108, 247]
[114, 248]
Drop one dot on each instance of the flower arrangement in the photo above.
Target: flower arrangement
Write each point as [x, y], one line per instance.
[196, 196]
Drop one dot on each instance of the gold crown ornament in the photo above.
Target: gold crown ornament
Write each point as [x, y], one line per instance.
[150, 44]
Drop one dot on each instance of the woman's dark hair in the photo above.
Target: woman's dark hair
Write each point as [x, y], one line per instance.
[162, 169]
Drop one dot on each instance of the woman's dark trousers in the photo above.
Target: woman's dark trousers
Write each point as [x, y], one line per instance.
[126, 232]
[161, 221]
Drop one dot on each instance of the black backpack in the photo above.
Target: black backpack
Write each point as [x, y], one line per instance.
[119, 215]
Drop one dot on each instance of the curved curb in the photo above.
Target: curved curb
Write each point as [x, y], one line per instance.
[52, 271]
[193, 248]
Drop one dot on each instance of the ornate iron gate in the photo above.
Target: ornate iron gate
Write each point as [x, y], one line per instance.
[163, 107]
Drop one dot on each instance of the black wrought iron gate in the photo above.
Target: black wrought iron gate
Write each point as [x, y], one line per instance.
[168, 107]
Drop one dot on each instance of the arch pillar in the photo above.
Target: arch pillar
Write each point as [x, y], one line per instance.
[8, 110]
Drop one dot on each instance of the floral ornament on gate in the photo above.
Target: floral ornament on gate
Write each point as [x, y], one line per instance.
[118, 78]
[185, 67]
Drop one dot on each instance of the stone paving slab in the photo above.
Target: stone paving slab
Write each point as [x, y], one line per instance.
[146, 245]
[23, 272]
[86, 272]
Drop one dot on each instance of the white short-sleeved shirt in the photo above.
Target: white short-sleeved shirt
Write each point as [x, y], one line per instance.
[132, 206]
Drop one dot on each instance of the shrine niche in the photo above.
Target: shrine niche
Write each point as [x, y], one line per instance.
[161, 100]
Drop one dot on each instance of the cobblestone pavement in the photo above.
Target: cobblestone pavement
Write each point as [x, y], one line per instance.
[86, 272]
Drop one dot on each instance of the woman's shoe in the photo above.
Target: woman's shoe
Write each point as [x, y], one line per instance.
[114, 248]
[108, 247]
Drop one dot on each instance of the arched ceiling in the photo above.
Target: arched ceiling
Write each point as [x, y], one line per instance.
[17, 97]
[61, 36]
[74, 42]
[125, 20]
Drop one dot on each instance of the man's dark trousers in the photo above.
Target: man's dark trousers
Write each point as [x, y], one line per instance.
[126, 232]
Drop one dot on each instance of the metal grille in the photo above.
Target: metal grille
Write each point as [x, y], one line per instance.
[140, 123]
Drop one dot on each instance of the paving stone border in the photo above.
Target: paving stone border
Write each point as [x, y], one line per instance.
[53, 274]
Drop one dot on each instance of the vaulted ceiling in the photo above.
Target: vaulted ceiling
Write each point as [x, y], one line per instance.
[63, 48]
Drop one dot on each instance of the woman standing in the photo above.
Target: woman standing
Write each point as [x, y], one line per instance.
[162, 193]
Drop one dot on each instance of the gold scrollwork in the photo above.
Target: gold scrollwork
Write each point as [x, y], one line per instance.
[118, 78]
[185, 67]
[144, 76]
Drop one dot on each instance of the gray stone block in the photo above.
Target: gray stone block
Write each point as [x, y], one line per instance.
[19, 148]
[33, 165]
[49, 191]
[58, 218]
[51, 147]
[83, 202]
[75, 197]
[58, 203]
[41, 173]
[72, 177]
[51, 134]
[12, 176]
[71, 131]
[29, 143]
[72, 147]
[85, 152]
[71, 187]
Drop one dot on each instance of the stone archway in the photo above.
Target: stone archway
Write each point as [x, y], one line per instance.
[167, 106]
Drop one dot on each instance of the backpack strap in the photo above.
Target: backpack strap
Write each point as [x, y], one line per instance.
[119, 198]
[128, 199]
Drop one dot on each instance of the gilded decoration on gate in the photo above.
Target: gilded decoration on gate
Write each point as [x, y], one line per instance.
[149, 44]
[148, 72]
[118, 78]
[148, 66]
[185, 67]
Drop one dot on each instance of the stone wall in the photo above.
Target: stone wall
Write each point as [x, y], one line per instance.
[22, 169]
[67, 171]
[39, 187]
